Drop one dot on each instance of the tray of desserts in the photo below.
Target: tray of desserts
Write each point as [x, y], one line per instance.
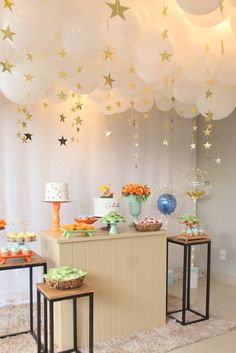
[79, 228]
[21, 237]
[15, 253]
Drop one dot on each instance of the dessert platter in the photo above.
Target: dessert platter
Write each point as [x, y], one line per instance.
[64, 277]
[82, 226]
[147, 224]
[192, 230]
[20, 251]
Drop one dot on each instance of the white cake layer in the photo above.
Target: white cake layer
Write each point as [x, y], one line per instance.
[56, 192]
[102, 206]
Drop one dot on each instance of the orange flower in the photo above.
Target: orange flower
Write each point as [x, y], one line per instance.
[139, 191]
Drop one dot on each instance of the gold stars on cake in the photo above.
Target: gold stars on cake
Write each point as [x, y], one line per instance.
[117, 9]
[108, 80]
[7, 33]
[6, 66]
[108, 53]
[29, 77]
[165, 56]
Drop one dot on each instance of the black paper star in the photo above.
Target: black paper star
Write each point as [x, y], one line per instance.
[28, 136]
[62, 141]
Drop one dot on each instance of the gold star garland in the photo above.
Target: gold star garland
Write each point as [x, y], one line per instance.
[218, 159]
[207, 132]
[76, 109]
[23, 134]
[166, 129]
[8, 4]
[133, 123]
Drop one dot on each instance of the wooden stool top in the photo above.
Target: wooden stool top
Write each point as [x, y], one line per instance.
[61, 294]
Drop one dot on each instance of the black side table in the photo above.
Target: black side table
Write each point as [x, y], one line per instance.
[12, 264]
[186, 297]
[55, 295]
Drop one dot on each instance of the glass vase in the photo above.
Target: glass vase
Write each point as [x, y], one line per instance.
[113, 229]
[135, 206]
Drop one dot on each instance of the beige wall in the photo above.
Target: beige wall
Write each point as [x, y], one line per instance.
[218, 211]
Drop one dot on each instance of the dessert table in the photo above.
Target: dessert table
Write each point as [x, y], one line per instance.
[127, 272]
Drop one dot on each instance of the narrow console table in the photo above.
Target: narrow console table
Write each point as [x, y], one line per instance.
[186, 292]
[128, 274]
[12, 264]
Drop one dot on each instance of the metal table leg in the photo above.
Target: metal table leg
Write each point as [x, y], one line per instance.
[91, 323]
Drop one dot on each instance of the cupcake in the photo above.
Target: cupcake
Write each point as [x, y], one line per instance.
[31, 236]
[15, 251]
[20, 238]
[11, 236]
[4, 251]
[25, 250]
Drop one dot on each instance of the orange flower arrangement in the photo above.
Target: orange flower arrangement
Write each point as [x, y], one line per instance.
[137, 190]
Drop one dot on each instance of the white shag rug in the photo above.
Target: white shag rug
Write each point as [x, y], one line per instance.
[159, 340]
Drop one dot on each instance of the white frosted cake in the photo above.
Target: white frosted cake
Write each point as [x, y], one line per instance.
[56, 192]
[102, 206]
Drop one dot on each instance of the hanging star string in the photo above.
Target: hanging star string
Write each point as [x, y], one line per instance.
[62, 53]
[62, 141]
[117, 9]
[62, 118]
[6, 66]
[165, 56]
[108, 80]
[8, 4]
[29, 77]
[108, 54]
[23, 124]
[164, 11]
[29, 56]
[194, 135]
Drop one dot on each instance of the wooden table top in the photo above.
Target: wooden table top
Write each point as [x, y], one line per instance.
[176, 240]
[60, 294]
[37, 260]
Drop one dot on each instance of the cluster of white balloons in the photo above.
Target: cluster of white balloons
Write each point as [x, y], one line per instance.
[177, 54]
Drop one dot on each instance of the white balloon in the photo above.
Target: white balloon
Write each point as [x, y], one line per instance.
[202, 71]
[98, 96]
[31, 23]
[190, 51]
[163, 100]
[199, 7]
[233, 2]
[186, 110]
[133, 88]
[184, 90]
[123, 35]
[60, 94]
[82, 36]
[226, 72]
[143, 103]
[221, 103]
[28, 83]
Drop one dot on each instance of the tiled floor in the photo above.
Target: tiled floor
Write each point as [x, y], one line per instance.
[223, 302]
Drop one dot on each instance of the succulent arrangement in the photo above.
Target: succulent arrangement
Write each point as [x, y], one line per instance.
[112, 217]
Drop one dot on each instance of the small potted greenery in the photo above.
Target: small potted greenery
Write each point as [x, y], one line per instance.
[113, 218]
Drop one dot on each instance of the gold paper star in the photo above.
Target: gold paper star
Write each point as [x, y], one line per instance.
[118, 104]
[45, 104]
[164, 11]
[23, 124]
[6, 66]
[108, 53]
[79, 69]
[208, 116]
[207, 132]
[165, 143]
[78, 120]
[208, 93]
[132, 86]
[165, 56]
[8, 34]
[8, 4]
[131, 70]
[79, 105]
[207, 145]
[108, 80]
[29, 77]
[62, 96]
[193, 146]
[18, 134]
[79, 86]
[108, 133]
[23, 139]
[173, 100]
[194, 128]
[29, 57]
[62, 54]
[108, 108]
[28, 116]
[146, 115]
[165, 34]
[62, 75]
[117, 9]
[73, 109]
[62, 117]
[218, 160]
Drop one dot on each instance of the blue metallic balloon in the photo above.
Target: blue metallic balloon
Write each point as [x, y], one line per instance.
[166, 203]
